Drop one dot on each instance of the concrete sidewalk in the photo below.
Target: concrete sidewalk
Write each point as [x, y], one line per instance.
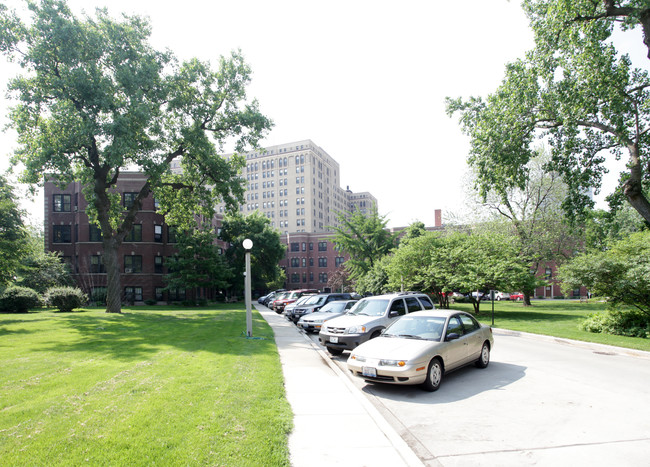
[334, 424]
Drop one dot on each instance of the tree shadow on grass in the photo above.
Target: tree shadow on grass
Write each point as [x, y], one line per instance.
[134, 335]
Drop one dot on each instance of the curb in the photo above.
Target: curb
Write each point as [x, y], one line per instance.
[610, 349]
[404, 450]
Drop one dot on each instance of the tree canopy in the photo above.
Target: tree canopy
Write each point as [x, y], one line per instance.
[96, 99]
[266, 253]
[365, 238]
[14, 236]
[575, 92]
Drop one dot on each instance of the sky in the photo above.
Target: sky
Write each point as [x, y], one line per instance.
[364, 80]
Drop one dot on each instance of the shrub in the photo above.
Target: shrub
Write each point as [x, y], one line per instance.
[150, 301]
[99, 296]
[621, 323]
[65, 299]
[19, 299]
[559, 297]
[202, 302]
[188, 302]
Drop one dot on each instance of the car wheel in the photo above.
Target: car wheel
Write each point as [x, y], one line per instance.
[375, 334]
[334, 351]
[484, 358]
[434, 375]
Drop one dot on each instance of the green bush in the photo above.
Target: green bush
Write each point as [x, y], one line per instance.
[202, 302]
[19, 299]
[65, 299]
[621, 323]
[99, 296]
[150, 301]
[559, 297]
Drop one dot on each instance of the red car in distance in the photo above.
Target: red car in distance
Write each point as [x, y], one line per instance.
[516, 296]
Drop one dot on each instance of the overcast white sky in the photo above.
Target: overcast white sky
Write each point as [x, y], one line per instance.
[365, 80]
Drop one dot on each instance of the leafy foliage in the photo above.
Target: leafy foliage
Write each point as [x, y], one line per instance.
[13, 234]
[621, 273]
[42, 270]
[16, 299]
[575, 92]
[620, 323]
[266, 253]
[97, 99]
[65, 299]
[198, 262]
[365, 238]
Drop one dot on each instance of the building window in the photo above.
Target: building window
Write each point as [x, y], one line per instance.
[158, 264]
[304, 277]
[339, 260]
[135, 235]
[322, 262]
[61, 203]
[304, 262]
[295, 262]
[62, 234]
[548, 273]
[132, 294]
[129, 199]
[295, 246]
[97, 264]
[295, 278]
[176, 295]
[94, 233]
[171, 234]
[132, 264]
[157, 233]
[322, 278]
[311, 262]
[159, 294]
[322, 246]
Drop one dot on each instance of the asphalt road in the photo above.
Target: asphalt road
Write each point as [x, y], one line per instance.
[541, 401]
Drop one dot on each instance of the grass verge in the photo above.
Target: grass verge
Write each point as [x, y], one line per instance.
[152, 386]
[559, 318]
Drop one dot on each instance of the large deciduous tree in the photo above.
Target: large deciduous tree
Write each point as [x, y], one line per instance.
[95, 99]
[13, 234]
[574, 91]
[365, 238]
[266, 253]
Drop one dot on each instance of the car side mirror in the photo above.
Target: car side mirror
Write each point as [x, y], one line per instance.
[452, 336]
[393, 314]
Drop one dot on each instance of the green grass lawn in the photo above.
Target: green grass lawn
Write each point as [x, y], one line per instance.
[152, 386]
[560, 318]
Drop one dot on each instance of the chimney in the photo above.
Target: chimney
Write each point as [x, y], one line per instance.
[438, 217]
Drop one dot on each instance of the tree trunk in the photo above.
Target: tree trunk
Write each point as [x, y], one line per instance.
[113, 285]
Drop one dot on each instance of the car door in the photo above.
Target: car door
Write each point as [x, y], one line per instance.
[455, 350]
[472, 337]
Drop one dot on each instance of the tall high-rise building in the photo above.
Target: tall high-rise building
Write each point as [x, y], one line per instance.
[298, 187]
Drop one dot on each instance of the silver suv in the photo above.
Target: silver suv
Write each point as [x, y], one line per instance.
[368, 318]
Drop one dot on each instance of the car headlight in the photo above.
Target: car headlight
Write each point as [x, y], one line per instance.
[392, 363]
[358, 358]
[317, 321]
[356, 330]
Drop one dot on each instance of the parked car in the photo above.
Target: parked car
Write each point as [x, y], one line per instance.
[501, 296]
[275, 298]
[315, 303]
[368, 318]
[312, 322]
[272, 296]
[288, 310]
[290, 297]
[516, 296]
[421, 347]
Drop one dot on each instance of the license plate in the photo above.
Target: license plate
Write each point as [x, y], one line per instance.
[369, 371]
[334, 340]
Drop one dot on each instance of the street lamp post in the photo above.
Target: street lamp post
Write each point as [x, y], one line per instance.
[248, 244]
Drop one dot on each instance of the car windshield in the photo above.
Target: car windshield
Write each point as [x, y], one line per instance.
[333, 307]
[316, 300]
[417, 327]
[370, 307]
